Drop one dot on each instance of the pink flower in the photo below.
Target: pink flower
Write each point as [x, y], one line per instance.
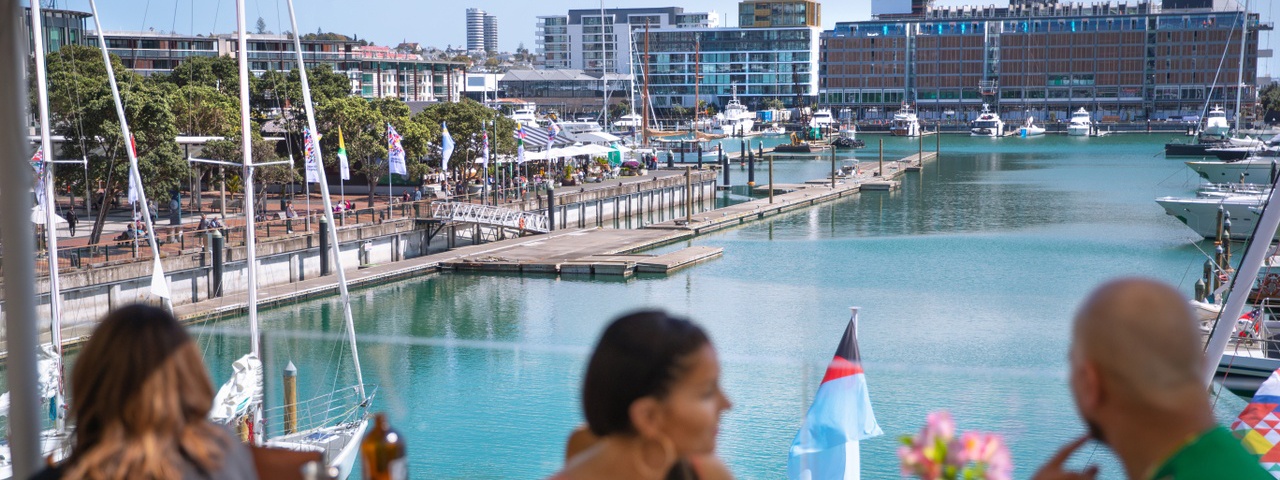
[939, 427]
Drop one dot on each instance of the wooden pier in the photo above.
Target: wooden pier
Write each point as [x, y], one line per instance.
[588, 251]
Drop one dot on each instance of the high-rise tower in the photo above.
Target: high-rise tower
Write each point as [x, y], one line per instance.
[475, 29]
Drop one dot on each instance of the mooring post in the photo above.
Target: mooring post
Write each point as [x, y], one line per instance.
[770, 178]
[688, 193]
[551, 208]
[324, 246]
[215, 248]
[290, 398]
[833, 168]
[880, 172]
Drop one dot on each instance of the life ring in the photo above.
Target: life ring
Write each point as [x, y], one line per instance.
[522, 223]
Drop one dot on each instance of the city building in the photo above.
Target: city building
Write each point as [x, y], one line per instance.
[475, 30]
[374, 72]
[756, 63]
[587, 40]
[567, 91]
[61, 27]
[482, 31]
[779, 13]
[1121, 61]
[490, 33]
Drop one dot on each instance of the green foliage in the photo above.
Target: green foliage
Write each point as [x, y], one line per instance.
[620, 109]
[221, 73]
[465, 120]
[773, 104]
[1269, 97]
[82, 110]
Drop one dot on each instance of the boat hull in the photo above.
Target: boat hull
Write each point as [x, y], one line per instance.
[1030, 132]
[1078, 130]
[1201, 214]
[1247, 171]
[1242, 375]
[802, 148]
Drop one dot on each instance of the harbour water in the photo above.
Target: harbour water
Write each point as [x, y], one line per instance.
[968, 277]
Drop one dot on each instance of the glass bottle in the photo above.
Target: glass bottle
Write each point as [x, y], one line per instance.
[382, 452]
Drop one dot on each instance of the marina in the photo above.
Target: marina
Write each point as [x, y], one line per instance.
[516, 340]
[435, 238]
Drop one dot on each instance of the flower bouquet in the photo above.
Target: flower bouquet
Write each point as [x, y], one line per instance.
[937, 454]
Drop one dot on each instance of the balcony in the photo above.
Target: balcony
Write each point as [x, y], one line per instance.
[1264, 53]
[1268, 26]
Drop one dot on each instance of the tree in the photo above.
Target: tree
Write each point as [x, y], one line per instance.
[464, 119]
[85, 114]
[221, 73]
[619, 109]
[1269, 97]
[773, 104]
[262, 26]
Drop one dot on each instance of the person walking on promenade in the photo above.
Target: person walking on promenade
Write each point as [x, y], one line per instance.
[652, 397]
[1135, 361]
[72, 220]
[140, 400]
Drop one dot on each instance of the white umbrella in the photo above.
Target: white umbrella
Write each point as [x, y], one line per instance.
[37, 216]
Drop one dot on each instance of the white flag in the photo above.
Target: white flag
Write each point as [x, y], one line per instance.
[446, 146]
[395, 152]
[159, 284]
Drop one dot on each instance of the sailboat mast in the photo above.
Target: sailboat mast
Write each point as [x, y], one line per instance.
[250, 208]
[1244, 42]
[697, 75]
[50, 228]
[135, 178]
[604, 70]
[644, 109]
[344, 295]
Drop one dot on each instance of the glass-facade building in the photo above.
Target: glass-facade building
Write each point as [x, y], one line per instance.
[1123, 62]
[61, 27]
[607, 41]
[760, 63]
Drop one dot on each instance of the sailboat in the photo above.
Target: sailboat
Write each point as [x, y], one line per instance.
[337, 436]
[55, 442]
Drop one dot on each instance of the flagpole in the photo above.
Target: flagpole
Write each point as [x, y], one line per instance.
[389, 177]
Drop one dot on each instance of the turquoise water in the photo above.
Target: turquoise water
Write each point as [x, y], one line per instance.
[968, 278]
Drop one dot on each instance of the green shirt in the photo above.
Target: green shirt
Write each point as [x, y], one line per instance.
[1216, 454]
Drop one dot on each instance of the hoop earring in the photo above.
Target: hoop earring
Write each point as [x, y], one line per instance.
[645, 468]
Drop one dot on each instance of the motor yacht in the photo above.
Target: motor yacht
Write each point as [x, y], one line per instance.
[736, 119]
[822, 118]
[1081, 123]
[628, 123]
[526, 114]
[1215, 123]
[1200, 213]
[1250, 170]
[988, 124]
[905, 122]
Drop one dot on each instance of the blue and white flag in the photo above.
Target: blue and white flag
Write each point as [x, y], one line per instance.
[826, 447]
[395, 152]
[37, 164]
[446, 146]
[551, 134]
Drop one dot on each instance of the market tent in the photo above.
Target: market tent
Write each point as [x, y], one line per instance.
[597, 137]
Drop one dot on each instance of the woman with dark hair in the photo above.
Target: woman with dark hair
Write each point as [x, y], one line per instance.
[652, 401]
[140, 398]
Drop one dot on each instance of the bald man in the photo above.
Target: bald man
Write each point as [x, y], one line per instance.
[1135, 375]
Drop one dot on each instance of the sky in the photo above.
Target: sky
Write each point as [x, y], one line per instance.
[441, 23]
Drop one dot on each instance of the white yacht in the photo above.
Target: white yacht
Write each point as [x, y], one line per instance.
[628, 122]
[580, 126]
[905, 122]
[736, 119]
[1200, 213]
[1030, 129]
[526, 114]
[1249, 170]
[822, 118]
[1215, 123]
[1081, 124]
[988, 124]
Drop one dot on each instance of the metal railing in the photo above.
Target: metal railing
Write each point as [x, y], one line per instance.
[490, 215]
